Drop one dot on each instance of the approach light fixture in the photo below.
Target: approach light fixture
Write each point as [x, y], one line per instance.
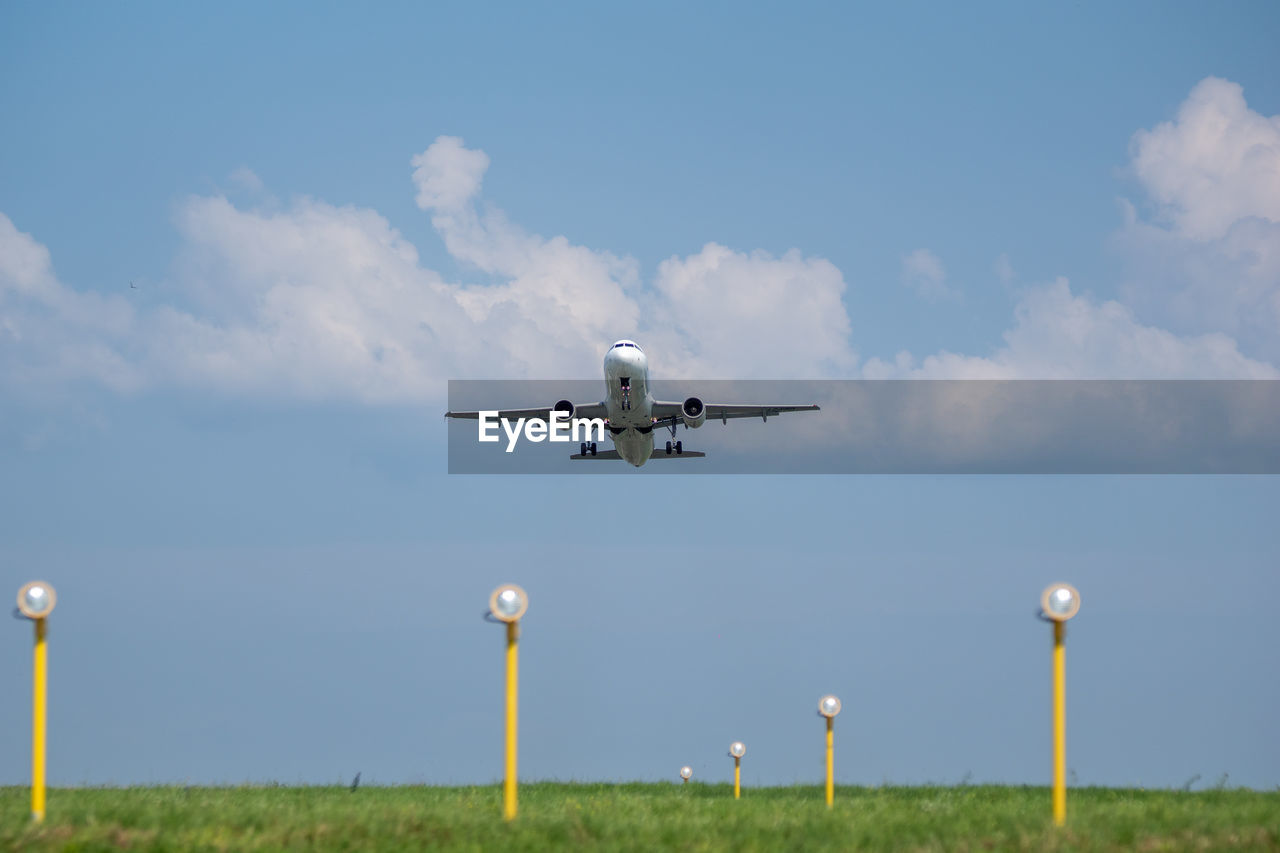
[686, 772]
[1060, 601]
[508, 603]
[737, 749]
[36, 599]
[829, 706]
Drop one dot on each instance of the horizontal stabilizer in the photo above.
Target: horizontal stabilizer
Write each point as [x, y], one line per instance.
[657, 454]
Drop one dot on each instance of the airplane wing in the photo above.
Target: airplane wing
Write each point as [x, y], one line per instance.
[667, 414]
[587, 410]
[613, 454]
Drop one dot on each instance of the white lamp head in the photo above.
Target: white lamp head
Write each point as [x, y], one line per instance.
[828, 706]
[1060, 601]
[36, 599]
[508, 603]
[686, 772]
[737, 749]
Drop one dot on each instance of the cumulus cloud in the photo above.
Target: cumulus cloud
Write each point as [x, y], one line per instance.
[1218, 162]
[1208, 259]
[317, 301]
[246, 179]
[448, 174]
[51, 335]
[1059, 335]
[723, 313]
[923, 272]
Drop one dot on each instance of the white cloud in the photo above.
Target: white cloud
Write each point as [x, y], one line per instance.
[1210, 258]
[246, 179]
[1058, 335]
[448, 174]
[317, 301]
[50, 334]
[722, 313]
[923, 272]
[1217, 163]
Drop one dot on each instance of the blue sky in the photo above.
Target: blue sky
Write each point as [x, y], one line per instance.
[330, 211]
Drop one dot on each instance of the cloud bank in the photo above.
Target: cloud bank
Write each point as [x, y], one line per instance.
[315, 301]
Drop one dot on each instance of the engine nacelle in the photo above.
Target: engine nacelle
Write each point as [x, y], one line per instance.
[566, 407]
[693, 413]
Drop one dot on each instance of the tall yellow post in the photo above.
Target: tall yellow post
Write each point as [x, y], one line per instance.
[513, 677]
[1059, 725]
[737, 777]
[38, 706]
[831, 762]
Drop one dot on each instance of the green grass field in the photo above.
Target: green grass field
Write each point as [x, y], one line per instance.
[638, 817]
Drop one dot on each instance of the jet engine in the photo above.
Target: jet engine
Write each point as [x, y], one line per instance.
[693, 413]
[566, 407]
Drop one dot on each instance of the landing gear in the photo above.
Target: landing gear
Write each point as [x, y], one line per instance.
[593, 448]
[678, 446]
[582, 449]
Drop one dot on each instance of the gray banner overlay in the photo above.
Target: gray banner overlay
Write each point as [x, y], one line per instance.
[911, 427]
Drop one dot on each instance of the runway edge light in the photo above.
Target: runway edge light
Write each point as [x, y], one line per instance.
[828, 707]
[737, 749]
[1059, 602]
[36, 601]
[508, 604]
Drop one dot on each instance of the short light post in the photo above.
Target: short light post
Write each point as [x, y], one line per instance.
[829, 706]
[36, 601]
[737, 749]
[507, 604]
[686, 773]
[1058, 603]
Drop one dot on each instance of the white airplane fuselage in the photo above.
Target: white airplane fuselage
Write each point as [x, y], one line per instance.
[628, 402]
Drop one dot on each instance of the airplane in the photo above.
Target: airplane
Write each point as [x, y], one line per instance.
[632, 415]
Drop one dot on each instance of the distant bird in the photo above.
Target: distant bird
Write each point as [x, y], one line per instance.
[355, 783]
[133, 286]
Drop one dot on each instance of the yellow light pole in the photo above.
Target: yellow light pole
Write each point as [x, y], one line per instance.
[507, 604]
[1058, 603]
[737, 749]
[829, 706]
[36, 601]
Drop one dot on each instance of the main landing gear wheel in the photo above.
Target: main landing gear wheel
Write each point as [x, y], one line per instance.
[593, 448]
[582, 449]
[679, 447]
[668, 448]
